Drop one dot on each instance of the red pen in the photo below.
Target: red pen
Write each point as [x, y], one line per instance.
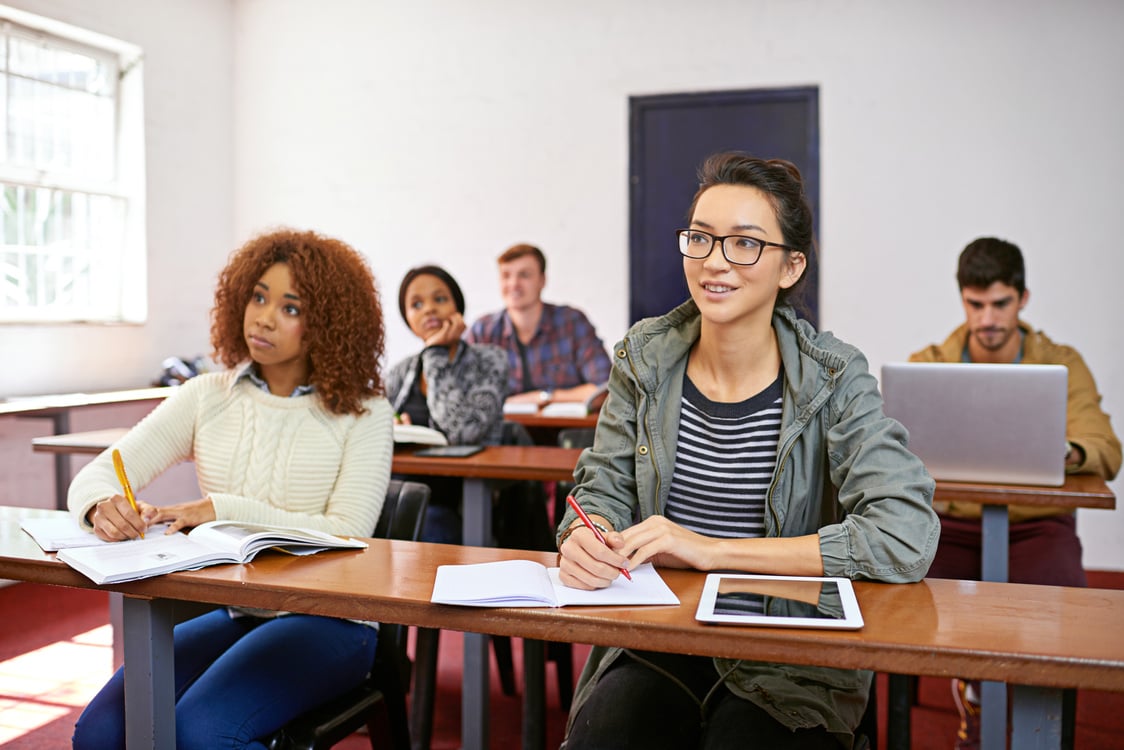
[589, 525]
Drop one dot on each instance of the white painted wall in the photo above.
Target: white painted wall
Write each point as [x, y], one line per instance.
[187, 58]
[188, 53]
[445, 131]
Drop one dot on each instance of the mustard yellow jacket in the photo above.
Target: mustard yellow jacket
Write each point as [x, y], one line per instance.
[1087, 426]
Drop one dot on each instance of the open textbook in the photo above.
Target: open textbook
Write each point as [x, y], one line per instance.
[212, 543]
[525, 583]
[53, 533]
[419, 435]
[59, 532]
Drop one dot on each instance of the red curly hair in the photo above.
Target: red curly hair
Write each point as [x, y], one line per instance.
[342, 313]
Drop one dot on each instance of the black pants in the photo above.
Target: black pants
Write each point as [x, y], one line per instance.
[638, 706]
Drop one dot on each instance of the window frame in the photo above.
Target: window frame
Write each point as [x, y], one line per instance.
[116, 270]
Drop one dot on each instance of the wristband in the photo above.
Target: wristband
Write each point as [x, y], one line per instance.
[566, 534]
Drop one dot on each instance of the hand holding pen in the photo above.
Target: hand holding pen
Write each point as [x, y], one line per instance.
[592, 527]
[113, 519]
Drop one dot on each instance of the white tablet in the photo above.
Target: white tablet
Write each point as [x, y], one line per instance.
[779, 601]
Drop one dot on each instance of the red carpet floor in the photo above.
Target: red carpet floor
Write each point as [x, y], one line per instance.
[38, 708]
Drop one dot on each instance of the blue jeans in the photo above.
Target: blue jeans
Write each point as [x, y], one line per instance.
[238, 679]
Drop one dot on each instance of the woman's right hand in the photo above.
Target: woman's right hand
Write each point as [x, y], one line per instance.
[450, 332]
[114, 520]
[586, 563]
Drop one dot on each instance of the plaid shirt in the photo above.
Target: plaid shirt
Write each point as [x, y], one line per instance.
[563, 353]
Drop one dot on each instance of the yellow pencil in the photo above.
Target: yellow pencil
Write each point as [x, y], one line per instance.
[119, 466]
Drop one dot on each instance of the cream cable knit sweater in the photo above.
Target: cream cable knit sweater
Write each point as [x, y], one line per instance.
[261, 458]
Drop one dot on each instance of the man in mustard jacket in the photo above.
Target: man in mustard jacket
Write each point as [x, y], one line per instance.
[1044, 547]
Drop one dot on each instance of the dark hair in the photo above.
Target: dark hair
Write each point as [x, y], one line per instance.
[439, 272]
[518, 251]
[783, 186]
[987, 260]
[343, 325]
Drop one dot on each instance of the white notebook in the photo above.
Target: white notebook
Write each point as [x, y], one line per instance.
[525, 583]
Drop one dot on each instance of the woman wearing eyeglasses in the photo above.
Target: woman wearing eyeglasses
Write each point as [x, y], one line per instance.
[742, 439]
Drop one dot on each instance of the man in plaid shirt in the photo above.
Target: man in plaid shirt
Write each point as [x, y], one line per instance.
[553, 351]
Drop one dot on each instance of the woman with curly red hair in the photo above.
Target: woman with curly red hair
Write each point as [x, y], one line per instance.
[296, 433]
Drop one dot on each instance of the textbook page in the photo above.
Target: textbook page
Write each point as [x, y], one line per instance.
[139, 558]
[63, 532]
[524, 583]
[419, 435]
[53, 534]
[211, 543]
[565, 409]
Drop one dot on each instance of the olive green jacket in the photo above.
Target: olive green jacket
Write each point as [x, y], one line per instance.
[843, 471]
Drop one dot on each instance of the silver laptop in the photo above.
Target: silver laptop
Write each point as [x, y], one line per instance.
[980, 422]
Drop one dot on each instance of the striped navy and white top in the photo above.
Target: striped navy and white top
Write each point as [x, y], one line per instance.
[724, 462]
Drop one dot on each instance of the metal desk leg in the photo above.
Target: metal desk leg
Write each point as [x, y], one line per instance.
[994, 530]
[61, 422]
[993, 715]
[117, 625]
[994, 544]
[899, 704]
[476, 531]
[534, 694]
[1036, 717]
[150, 713]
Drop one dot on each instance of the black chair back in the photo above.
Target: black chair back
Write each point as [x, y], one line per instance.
[402, 514]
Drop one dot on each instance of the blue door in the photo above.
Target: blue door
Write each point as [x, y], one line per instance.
[670, 136]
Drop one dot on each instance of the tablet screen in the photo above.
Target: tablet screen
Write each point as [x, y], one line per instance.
[779, 601]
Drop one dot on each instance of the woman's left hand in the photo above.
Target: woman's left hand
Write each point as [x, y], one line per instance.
[666, 544]
[186, 515]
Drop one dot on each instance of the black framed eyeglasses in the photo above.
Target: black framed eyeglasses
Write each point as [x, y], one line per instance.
[736, 248]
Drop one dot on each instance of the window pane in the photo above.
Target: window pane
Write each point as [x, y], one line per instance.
[60, 252]
[59, 130]
[67, 236]
[40, 61]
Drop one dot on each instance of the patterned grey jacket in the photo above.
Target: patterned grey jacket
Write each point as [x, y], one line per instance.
[465, 396]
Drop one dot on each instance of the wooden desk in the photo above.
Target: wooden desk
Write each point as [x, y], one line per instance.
[1078, 491]
[546, 464]
[1041, 636]
[544, 429]
[479, 471]
[500, 462]
[57, 408]
[82, 443]
[538, 419]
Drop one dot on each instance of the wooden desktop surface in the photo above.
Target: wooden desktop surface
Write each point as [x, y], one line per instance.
[535, 462]
[1040, 635]
[1078, 491]
[66, 401]
[82, 443]
[538, 419]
